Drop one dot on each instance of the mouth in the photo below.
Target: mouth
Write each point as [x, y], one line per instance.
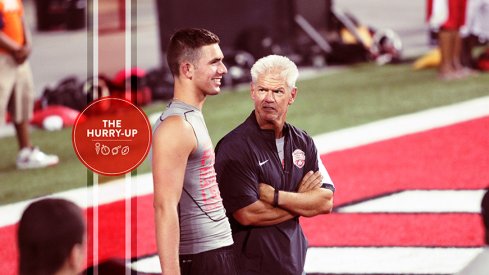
[269, 109]
[217, 81]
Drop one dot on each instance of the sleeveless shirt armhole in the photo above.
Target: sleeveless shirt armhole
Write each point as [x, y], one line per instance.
[195, 134]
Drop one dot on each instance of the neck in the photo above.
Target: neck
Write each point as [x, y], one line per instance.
[276, 125]
[188, 94]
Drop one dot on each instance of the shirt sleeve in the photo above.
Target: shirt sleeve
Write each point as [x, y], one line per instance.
[327, 182]
[237, 178]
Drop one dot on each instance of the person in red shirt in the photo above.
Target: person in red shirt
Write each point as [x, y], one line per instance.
[447, 17]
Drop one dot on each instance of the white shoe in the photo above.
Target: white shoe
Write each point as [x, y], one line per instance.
[32, 157]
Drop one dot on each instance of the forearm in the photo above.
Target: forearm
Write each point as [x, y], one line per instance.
[167, 240]
[8, 44]
[307, 204]
[261, 213]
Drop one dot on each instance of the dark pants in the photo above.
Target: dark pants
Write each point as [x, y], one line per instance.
[216, 262]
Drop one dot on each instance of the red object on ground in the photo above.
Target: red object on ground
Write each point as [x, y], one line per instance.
[67, 114]
[140, 93]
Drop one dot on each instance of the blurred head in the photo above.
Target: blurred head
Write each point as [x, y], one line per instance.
[51, 237]
[273, 89]
[194, 54]
[485, 214]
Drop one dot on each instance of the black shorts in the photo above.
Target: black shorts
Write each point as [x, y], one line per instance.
[220, 261]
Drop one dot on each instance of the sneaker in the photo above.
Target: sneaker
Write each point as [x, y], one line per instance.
[32, 157]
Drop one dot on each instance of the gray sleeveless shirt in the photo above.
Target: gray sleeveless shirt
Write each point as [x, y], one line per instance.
[203, 222]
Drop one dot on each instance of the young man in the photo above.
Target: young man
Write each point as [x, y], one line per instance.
[16, 87]
[192, 231]
[269, 174]
[51, 238]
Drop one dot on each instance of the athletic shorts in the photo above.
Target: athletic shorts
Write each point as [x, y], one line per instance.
[455, 18]
[456, 15]
[16, 90]
[220, 261]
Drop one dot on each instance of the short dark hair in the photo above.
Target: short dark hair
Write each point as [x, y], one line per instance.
[48, 231]
[485, 213]
[184, 46]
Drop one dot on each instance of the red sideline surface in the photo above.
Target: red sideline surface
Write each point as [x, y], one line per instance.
[454, 157]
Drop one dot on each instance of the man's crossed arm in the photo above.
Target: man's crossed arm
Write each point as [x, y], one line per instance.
[309, 200]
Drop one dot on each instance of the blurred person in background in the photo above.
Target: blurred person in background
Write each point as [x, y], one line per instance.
[448, 16]
[480, 264]
[51, 238]
[270, 174]
[475, 31]
[16, 85]
[193, 234]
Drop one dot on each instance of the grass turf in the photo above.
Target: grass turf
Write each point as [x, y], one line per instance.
[331, 101]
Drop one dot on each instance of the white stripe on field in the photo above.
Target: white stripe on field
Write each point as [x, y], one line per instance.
[421, 201]
[107, 192]
[402, 125]
[388, 260]
[368, 260]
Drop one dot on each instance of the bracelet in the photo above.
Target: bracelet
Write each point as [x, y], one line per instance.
[275, 197]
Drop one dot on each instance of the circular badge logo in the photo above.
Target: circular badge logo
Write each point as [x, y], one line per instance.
[111, 136]
[299, 158]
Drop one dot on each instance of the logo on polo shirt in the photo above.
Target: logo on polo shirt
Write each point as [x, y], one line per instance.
[299, 158]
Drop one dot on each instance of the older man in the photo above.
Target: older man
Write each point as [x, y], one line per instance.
[269, 174]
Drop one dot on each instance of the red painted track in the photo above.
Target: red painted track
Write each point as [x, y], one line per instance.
[454, 157]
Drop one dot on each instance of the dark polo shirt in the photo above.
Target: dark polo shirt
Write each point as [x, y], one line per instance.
[246, 157]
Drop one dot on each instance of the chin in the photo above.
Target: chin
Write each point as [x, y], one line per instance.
[211, 93]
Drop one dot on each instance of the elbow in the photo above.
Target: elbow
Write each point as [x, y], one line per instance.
[327, 207]
[161, 209]
[243, 218]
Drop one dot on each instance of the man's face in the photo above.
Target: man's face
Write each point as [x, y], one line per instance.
[209, 69]
[272, 97]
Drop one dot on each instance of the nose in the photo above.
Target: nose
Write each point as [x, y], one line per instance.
[269, 96]
[222, 69]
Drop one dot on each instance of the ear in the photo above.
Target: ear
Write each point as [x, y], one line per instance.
[187, 70]
[76, 260]
[252, 91]
[293, 95]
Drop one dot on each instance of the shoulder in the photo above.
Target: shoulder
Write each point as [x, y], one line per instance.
[235, 142]
[174, 130]
[172, 123]
[300, 135]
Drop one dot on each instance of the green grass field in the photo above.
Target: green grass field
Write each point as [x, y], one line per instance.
[331, 101]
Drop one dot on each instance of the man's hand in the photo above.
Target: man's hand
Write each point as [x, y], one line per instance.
[266, 193]
[22, 54]
[310, 182]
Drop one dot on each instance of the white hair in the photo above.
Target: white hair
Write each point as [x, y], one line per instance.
[274, 63]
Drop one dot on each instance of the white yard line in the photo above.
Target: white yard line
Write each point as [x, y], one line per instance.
[426, 201]
[329, 142]
[368, 260]
[107, 193]
[402, 125]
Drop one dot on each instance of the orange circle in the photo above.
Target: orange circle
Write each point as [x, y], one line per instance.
[111, 136]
